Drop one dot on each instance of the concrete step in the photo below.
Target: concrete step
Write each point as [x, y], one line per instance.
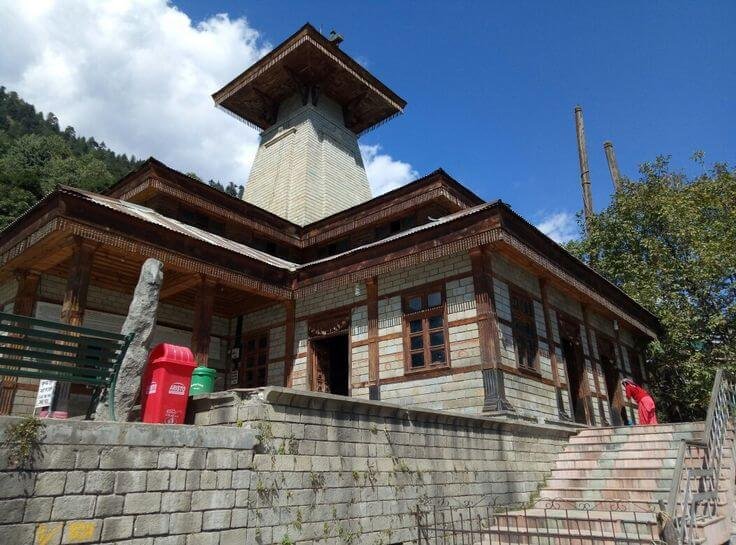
[503, 535]
[604, 493]
[620, 483]
[653, 441]
[642, 439]
[625, 463]
[614, 473]
[598, 451]
[609, 503]
[635, 430]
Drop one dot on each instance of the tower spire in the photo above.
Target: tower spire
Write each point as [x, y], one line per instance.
[312, 101]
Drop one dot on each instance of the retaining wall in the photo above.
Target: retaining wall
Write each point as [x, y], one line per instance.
[269, 466]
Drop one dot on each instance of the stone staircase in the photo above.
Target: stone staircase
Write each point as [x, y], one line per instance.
[606, 487]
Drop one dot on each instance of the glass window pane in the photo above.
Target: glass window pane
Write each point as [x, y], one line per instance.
[415, 304]
[263, 342]
[250, 361]
[416, 343]
[417, 360]
[434, 299]
[262, 358]
[437, 338]
[438, 356]
[435, 322]
[251, 344]
[415, 326]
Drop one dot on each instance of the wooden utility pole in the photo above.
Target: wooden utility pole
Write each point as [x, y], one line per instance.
[584, 169]
[612, 165]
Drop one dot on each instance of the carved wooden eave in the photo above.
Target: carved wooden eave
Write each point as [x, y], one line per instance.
[487, 227]
[40, 236]
[437, 186]
[155, 177]
[42, 240]
[304, 61]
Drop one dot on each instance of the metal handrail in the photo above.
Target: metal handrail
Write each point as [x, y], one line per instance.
[695, 489]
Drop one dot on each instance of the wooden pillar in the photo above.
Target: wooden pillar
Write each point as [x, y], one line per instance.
[202, 327]
[612, 165]
[490, 351]
[599, 392]
[27, 294]
[289, 307]
[73, 308]
[584, 168]
[374, 388]
[77, 283]
[23, 305]
[562, 413]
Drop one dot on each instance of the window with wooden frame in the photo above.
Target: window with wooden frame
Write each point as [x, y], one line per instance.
[524, 329]
[254, 368]
[425, 330]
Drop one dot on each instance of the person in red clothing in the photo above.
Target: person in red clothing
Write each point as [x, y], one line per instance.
[644, 401]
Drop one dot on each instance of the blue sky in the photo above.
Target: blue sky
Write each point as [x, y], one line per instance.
[490, 86]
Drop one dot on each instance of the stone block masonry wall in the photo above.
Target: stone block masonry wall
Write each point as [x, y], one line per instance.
[336, 470]
[138, 484]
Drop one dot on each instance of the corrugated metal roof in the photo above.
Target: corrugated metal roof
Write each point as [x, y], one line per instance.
[151, 216]
[423, 227]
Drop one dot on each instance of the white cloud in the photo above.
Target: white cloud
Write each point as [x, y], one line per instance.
[559, 226]
[139, 74]
[384, 172]
[136, 74]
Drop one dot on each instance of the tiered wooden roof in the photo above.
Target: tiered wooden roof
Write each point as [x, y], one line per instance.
[128, 233]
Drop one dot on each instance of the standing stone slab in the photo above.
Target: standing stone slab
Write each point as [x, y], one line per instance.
[141, 322]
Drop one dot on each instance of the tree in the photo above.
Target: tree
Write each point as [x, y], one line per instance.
[669, 241]
[231, 188]
[36, 156]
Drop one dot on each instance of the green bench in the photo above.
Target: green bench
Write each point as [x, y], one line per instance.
[41, 349]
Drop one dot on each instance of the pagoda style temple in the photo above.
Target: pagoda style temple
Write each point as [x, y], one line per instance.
[425, 296]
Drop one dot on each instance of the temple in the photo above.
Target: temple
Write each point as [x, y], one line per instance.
[425, 296]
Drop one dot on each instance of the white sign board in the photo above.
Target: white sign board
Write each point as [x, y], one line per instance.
[45, 393]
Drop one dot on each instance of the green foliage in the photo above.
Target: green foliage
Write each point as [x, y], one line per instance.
[230, 188]
[23, 441]
[36, 156]
[669, 241]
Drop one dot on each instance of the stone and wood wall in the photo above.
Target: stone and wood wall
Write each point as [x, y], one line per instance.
[479, 289]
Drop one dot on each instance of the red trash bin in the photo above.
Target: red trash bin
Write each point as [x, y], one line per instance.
[165, 384]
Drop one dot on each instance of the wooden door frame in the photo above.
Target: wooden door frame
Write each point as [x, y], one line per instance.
[323, 328]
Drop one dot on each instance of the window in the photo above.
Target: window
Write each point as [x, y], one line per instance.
[393, 227]
[255, 361]
[425, 333]
[524, 330]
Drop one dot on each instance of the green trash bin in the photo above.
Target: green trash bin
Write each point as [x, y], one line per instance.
[203, 381]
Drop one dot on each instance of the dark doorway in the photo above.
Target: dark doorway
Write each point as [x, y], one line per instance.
[330, 365]
[607, 352]
[573, 353]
